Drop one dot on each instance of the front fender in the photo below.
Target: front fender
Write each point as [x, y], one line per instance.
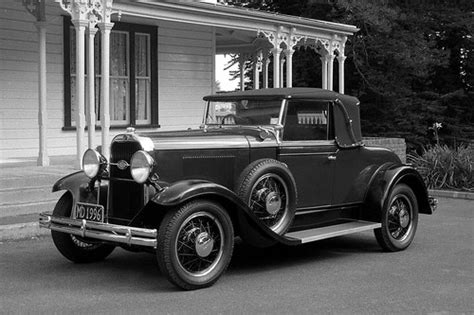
[78, 185]
[383, 181]
[185, 190]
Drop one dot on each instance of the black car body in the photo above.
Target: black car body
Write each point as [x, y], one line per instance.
[271, 166]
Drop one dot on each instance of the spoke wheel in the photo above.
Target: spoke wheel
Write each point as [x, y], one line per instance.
[269, 189]
[195, 244]
[199, 245]
[269, 200]
[399, 219]
[75, 248]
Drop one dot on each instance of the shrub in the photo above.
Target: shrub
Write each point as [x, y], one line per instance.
[444, 168]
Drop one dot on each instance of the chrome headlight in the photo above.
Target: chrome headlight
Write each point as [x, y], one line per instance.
[141, 166]
[93, 163]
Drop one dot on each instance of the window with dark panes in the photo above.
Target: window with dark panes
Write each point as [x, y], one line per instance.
[133, 77]
[307, 120]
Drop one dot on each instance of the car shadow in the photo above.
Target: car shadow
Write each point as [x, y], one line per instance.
[250, 259]
[124, 271]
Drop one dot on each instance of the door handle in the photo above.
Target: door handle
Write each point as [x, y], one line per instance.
[332, 157]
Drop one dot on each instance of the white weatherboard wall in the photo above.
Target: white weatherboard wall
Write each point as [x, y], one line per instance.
[185, 72]
[185, 75]
[19, 83]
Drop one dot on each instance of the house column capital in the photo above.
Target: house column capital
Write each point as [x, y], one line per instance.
[105, 26]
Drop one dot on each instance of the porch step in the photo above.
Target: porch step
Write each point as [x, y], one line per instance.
[26, 190]
[317, 234]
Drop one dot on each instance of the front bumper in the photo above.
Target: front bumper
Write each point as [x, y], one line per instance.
[101, 231]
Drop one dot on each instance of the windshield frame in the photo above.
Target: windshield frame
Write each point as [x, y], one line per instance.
[278, 125]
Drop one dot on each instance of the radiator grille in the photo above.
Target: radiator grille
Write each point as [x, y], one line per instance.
[125, 196]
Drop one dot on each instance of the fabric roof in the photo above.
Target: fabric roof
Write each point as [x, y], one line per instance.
[345, 108]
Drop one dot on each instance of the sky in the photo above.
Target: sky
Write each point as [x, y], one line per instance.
[223, 76]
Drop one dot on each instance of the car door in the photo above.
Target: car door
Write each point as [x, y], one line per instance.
[308, 148]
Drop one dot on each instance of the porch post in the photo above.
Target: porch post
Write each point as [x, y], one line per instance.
[276, 67]
[341, 59]
[289, 67]
[266, 63]
[324, 72]
[43, 158]
[330, 70]
[282, 74]
[80, 26]
[105, 28]
[91, 116]
[38, 10]
[256, 76]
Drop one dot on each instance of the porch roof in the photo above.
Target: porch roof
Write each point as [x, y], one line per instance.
[232, 17]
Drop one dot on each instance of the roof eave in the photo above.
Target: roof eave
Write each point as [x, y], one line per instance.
[232, 16]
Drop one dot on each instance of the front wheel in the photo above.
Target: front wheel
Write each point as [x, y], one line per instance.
[399, 219]
[73, 247]
[195, 244]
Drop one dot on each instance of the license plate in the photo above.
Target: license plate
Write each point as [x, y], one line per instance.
[89, 212]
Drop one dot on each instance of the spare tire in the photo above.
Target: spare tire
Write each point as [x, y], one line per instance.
[269, 189]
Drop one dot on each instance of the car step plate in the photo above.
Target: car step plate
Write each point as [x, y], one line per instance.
[306, 236]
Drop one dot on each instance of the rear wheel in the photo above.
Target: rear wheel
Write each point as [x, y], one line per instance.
[399, 220]
[195, 244]
[73, 247]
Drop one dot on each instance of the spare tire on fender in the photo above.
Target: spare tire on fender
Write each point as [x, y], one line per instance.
[269, 189]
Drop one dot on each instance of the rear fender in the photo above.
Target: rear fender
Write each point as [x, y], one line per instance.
[186, 190]
[383, 181]
[78, 185]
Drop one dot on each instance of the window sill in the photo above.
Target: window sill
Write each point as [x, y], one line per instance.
[124, 127]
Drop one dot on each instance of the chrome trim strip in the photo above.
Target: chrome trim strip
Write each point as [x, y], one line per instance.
[309, 153]
[102, 231]
[308, 143]
[210, 142]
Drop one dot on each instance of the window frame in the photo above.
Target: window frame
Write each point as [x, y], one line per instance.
[330, 131]
[131, 29]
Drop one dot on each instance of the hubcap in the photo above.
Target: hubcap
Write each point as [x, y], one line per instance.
[204, 244]
[404, 218]
[273, 203]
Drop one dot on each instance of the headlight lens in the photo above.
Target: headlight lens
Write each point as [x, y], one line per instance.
[93, 162]
[141, 166]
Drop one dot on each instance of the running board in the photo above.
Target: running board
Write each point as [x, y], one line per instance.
[306, 236]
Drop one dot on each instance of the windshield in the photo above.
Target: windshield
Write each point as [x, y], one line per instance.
[243, 112]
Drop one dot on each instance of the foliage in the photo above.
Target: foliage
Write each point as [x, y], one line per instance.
[442, 167]
[410, 64]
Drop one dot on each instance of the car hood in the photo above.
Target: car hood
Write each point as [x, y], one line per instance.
[210, 138]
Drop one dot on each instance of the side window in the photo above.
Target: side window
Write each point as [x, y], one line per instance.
[307, 120]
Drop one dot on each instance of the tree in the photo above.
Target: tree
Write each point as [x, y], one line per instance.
[410, 63]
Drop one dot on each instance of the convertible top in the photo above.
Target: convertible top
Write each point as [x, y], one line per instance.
[346, 107]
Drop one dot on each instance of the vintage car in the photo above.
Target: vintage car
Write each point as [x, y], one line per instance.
[269, 166]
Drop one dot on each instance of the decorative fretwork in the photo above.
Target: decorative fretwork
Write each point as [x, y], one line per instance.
[36, 8]
[320, 45]
[94, 11]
